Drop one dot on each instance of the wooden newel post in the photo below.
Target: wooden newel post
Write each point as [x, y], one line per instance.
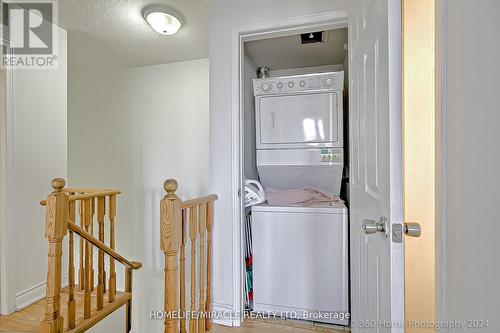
[56, 227]
[208, 304]
[170, 242]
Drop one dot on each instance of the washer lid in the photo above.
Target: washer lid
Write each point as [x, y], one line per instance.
[332, 208]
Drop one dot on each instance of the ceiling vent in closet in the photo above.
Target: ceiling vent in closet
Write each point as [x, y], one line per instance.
[313, 37]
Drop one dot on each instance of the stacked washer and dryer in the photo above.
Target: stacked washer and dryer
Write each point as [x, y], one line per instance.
[300, 253]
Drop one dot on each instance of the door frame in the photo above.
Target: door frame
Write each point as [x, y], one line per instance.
[7, 297]
[241, 34]
[441, 35]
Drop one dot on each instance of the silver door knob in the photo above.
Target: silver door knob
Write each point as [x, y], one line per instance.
[371, 227]
[412, 229]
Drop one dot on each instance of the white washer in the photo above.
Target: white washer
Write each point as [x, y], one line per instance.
[300, 261]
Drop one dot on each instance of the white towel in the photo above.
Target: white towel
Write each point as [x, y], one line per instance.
[306, 196]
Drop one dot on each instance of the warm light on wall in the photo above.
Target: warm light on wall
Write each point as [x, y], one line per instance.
[419, 159]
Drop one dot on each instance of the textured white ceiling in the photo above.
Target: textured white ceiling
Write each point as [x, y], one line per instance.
[115, 30]
[288, 52]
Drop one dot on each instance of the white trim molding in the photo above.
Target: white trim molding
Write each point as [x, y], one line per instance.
[7, 299]
[225, 314]
[441, 157]
[36, 293]
[241, 34]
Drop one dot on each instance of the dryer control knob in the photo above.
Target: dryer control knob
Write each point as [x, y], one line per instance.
[266, 86]
[290, 84]
[302, 83]
[280, 85]
[328, 82]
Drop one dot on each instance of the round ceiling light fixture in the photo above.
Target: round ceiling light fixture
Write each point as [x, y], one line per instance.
[164, 20]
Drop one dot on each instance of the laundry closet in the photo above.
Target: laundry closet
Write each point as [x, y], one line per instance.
[296, 164]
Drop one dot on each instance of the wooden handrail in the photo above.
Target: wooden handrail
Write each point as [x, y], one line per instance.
[88, 190]
[130, 264]
[83, 196]
[199, 201]
[93, 195]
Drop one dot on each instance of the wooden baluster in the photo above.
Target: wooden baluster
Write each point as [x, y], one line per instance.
[71, 271]
[81, 271]
[128, 288]
[202, 227]
[170, 241]
[112, 273]
[192, 237]
[87, 216]
[208, 304]
[56, 227]
[104, 241]
[91, 231]
[183, 274]
[100, 264]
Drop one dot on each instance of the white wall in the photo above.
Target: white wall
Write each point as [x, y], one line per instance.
[310, 70]
[472, 271]
[38, 154]
[132, 129]
[225, 15]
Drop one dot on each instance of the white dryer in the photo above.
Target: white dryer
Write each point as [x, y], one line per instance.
[299, 131]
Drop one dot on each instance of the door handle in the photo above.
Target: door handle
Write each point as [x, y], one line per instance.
[372, 227]
[271, 120]
[412, 229]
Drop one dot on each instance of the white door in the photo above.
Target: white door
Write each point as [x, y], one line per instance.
[376, 189]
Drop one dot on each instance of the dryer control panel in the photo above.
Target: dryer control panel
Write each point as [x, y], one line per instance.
[297, 83]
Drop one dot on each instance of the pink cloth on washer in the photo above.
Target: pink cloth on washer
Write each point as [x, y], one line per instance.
[307, 195]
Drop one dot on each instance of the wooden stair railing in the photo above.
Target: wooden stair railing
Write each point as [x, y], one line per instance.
[60, 219]
[174, 230]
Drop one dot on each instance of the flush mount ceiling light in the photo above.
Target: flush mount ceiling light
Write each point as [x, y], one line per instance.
[164, 20]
